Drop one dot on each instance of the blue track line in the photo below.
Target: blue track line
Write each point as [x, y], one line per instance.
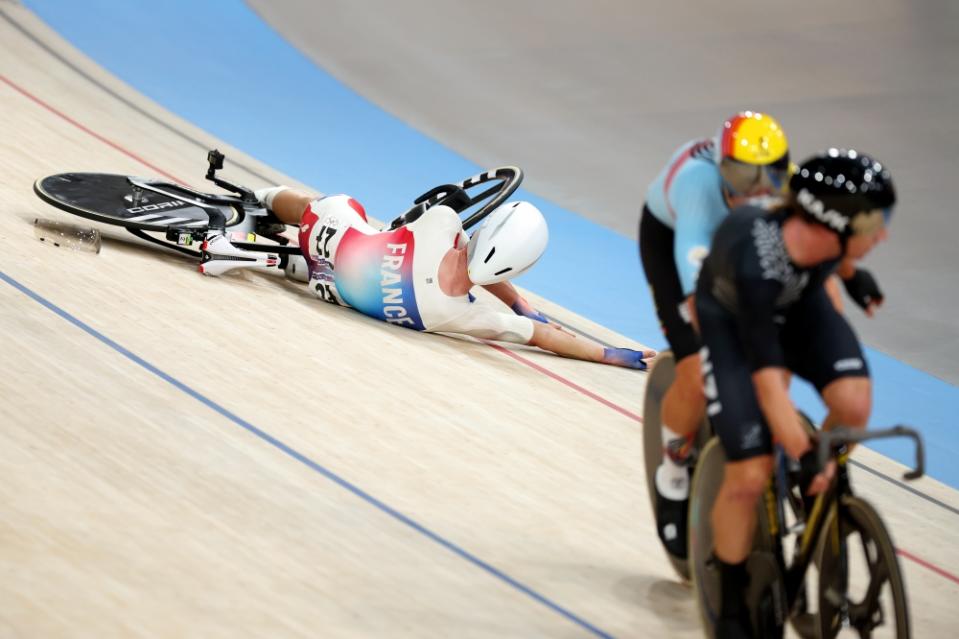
[306, 461]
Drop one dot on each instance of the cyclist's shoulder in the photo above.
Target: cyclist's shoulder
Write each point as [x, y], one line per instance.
[695, 157]
[744, 236]
[695, 174]
[744, 220]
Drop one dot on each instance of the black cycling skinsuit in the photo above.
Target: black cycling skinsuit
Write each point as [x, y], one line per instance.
[656, 242]
[758, 309]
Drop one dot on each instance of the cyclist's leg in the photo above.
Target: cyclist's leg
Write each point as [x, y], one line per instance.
[737, 419]
[850, 402]
[821, 347]
[733, 520]
[290, 205]
[287, 204]
[683, 403]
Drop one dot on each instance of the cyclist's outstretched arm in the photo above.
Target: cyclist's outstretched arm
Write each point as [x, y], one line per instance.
[551, 337]
[486, 323]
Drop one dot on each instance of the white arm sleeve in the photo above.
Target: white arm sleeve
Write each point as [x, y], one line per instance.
[484, 322]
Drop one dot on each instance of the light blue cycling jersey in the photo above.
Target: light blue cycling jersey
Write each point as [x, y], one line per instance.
[687, 196]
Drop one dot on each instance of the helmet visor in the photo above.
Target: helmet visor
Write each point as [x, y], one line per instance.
[778, 173]
[757, 179]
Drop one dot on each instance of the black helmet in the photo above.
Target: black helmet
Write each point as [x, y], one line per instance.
[845, 191]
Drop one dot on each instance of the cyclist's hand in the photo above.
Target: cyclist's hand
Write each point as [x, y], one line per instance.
[813, 478]
[821, 481]
[864, 290]
[627, 357]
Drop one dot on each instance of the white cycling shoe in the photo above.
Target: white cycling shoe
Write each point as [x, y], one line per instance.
[218, 255]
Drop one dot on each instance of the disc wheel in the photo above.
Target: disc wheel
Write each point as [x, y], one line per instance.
[705, 487]
[112, 199]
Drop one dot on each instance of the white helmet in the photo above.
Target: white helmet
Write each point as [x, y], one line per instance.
[508, 242]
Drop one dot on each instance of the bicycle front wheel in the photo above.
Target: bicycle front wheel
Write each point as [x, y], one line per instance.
[861, 587]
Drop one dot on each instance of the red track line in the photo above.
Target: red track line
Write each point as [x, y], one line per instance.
[559, 378]
[519, 358]
[925, 564]
[83, 128]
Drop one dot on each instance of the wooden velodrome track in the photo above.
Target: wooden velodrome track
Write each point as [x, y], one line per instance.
[185, 456]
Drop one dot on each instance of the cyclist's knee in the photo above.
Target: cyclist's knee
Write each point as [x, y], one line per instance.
[849, 400]
[745, 480]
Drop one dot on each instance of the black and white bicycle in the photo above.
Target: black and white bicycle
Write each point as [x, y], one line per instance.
[180, 218]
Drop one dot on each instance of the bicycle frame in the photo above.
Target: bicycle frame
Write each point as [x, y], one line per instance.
[833, 444]
[207, 202]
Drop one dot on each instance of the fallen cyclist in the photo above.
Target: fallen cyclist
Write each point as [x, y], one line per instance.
[420, 275]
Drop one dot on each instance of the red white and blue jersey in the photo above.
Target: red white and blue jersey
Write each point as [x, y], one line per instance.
[394, 275]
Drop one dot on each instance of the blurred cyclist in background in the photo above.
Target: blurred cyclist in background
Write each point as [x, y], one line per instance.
[685, 203]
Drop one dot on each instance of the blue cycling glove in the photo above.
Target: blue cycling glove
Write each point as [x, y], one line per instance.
[624, 357]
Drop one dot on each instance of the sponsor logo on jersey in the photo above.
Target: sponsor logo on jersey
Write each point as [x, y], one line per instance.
[391, 281]
[374, 274]
[848, 364]
[752, 436]
[775, 262]
[710, 388]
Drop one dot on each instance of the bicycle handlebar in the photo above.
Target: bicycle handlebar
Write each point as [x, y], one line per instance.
[215, 160]
[838, 437]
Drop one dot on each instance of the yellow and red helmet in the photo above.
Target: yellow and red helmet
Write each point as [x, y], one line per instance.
[753, 154]
[753, 138]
